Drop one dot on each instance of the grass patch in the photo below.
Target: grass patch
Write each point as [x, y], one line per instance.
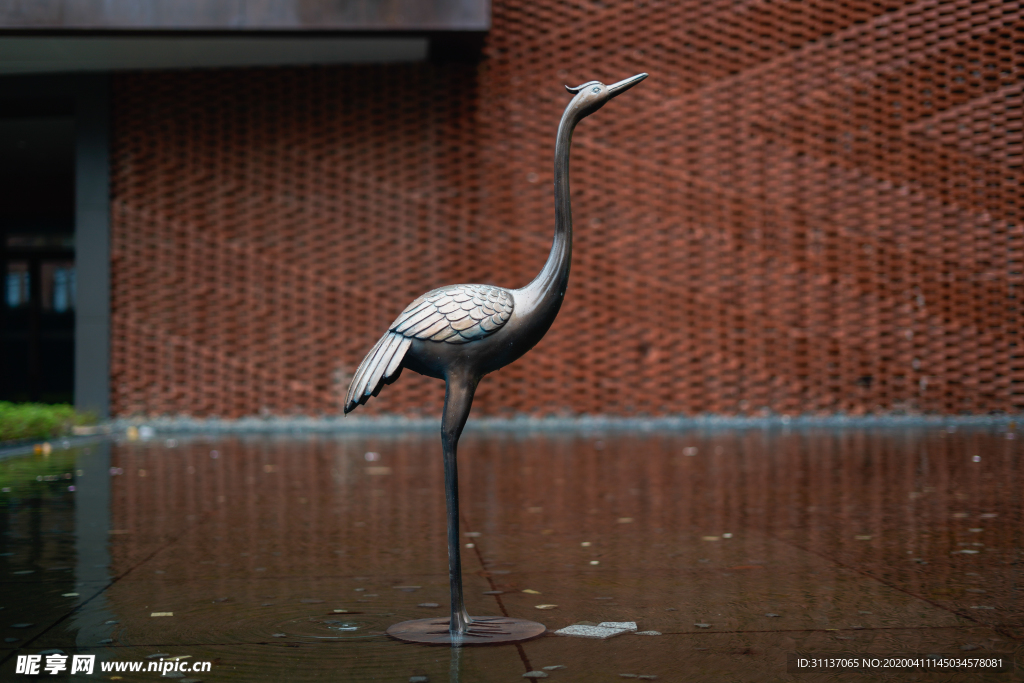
[39, 420]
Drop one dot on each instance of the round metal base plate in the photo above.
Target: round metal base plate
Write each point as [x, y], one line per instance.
[483, 631]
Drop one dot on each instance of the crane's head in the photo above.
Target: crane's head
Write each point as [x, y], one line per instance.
[591, 96]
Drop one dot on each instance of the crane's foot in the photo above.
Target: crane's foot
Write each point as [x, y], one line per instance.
[480, 631]
[460, 623]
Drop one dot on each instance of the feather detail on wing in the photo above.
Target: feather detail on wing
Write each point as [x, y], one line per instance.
[457, 314]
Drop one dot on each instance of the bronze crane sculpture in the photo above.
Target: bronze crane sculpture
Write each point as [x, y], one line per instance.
[460, 333]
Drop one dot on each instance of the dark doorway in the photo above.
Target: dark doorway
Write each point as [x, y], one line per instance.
[37, 255]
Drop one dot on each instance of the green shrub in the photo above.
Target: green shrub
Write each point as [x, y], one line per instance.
[38, 420]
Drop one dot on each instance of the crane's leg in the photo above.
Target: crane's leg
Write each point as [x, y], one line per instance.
[460, 385]
[458, 399]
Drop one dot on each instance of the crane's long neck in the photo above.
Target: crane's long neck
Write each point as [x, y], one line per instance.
[550, 284]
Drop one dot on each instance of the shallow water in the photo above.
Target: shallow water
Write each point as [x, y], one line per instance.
[287, 558]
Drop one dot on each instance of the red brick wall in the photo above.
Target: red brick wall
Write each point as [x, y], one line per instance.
[803, 209]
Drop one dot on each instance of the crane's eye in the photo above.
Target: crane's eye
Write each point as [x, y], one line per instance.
[597, 89]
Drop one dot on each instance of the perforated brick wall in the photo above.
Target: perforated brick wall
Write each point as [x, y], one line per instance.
[806, 208]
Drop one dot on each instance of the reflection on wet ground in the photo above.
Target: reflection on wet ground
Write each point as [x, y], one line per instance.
[287, 558]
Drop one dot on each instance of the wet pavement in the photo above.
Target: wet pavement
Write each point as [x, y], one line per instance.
[286, 558]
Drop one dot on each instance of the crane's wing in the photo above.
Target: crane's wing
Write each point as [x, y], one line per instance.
[456, 314]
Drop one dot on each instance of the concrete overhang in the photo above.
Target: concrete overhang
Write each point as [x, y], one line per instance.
[68, 54]
[55, 36]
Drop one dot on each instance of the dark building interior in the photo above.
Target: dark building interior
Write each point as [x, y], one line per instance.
[37, 225]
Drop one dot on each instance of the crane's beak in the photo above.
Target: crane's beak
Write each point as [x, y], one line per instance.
[622, 86]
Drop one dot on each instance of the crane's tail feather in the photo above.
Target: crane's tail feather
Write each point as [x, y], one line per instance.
[382, 365]
[356, 385]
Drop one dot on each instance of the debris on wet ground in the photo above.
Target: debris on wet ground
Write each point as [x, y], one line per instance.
[626, 625]
[279, 635]
[771, 614]
[535, 674]
[582, 631]
[554, 667]
[161, 614]
[703, 625]
[531, 591]
[643, 677]
[545, 606]
[493, 592]
[602, 631]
